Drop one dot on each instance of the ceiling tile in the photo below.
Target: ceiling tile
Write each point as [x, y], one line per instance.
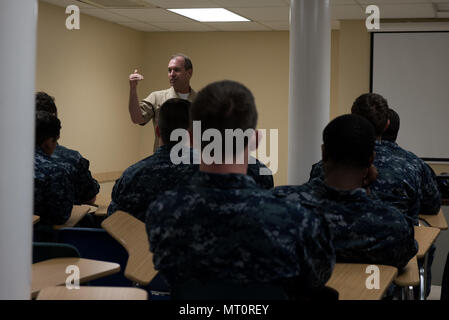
[398, 11]
[238, 26]
[65, 3]
[106, 15]
[250, 3]
[177, 4]
[182, 26]
[263, 14]
[347, 12]
[150, 15]
[141, 26]
[277, 25]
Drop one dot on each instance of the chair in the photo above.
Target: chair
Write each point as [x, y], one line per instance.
[131, 234]
[425, 236]
[408, 278]
[436, 221]
[54, 272]
[97, 244]
[77, 214]
[349, 279]
[92, 293]
[49, 250]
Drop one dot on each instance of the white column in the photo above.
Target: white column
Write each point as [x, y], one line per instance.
[17, 68]
[309, 90]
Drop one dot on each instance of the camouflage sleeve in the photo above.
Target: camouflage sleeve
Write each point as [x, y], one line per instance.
[113, 207]
[127, 197]
[394, 247]
[316, 252]
[317, 171]
[86, 187]
[58, 197]
[430, 194]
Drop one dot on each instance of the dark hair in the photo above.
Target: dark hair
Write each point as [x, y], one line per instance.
[187, 62]
[173, 114]
[349, 140]
[225, 105]
[374, 108]
[47, 126]
[44, 102]
[391, 134]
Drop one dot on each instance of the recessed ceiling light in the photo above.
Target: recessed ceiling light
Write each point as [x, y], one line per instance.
[209, 14]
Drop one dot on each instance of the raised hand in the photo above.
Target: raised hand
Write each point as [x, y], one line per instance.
[134, 78]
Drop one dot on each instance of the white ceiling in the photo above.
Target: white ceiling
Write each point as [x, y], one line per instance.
[265, 15]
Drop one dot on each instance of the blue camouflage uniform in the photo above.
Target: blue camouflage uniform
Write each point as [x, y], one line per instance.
[86, 187]
[53, 193]
[403, 180]
[264, 181]
[430, 198]
[225, 227]
[364, 228]
[141, 183]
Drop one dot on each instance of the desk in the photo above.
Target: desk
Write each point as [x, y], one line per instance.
[110, 176]
[78, 212]
[51, 272]
[36, 219]
[425, 236]
[408, 278]
[131, 234]
[102, 203]
[437, 221]
[349, 279]
[92, 293]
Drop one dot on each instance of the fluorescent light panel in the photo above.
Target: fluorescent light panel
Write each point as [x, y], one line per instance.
[209, 14]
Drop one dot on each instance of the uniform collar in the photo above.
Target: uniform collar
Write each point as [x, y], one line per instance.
[224, 181]
[320, 185]
[39, 151]
[389, 144]
[174, 94]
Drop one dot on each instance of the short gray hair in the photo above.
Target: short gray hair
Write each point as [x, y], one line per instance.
[187, 62]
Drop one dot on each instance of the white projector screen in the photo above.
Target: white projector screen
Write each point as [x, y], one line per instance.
[411, 70]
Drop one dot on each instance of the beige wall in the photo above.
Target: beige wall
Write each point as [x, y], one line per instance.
[354, 64]
[86, 71]
[259, 60]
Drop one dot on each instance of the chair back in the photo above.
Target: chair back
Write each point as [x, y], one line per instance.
[131, 234]
[97, 244]
[48, 250]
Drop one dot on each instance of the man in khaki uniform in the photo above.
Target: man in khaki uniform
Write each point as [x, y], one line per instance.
[180, 71]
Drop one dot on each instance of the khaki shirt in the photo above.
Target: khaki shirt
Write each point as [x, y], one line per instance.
[150, 106]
